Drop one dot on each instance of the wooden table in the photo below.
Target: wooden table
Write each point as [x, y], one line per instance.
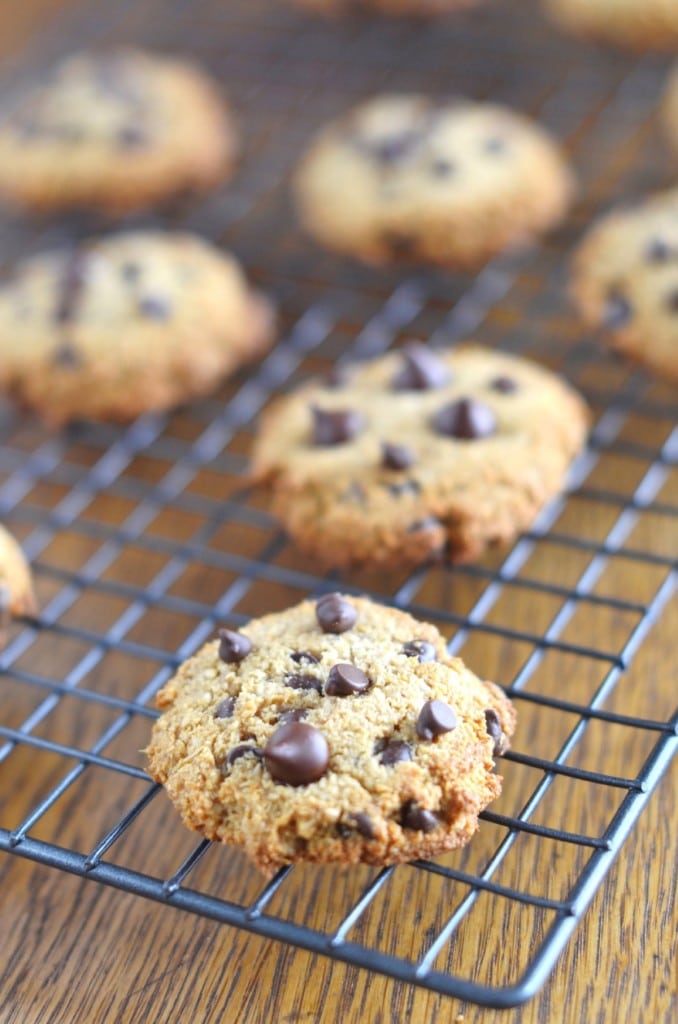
[72, 952]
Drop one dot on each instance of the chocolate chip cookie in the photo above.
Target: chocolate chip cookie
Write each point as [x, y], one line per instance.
[16, 585]
[632, 24]
[132, 323]
[118, 130]
[625, 281]
[338, 730]
[450, 182]
[418, 455]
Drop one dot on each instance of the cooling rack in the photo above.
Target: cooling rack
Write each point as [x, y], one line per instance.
[144, 539]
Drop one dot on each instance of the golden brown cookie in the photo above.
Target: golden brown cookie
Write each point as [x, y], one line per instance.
[418, 455]
[338, 730]
[625, 281]
[131, 323]
[119, 131]
[446, 182]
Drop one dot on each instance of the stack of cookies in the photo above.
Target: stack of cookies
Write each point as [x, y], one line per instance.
[338, 730]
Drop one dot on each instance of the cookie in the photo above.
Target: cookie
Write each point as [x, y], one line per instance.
[133, 323]
[418, 455]
[409, 8]
[118, 131]
[625, 281]
[450, 182]
[632, 24]
[338, 730]
[16, 585]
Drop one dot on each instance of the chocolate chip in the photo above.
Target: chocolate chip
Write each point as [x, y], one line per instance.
[420, 649]
[422, 370]
[493, 726]
[465, 419]
[435, 718]
[304, 658]
[399, 245]
[617, 311]
[362, 823]
[297, 753]
[233, 647]
[132, 137]
[504, 385]
[242, 750]
[336, 426]
[155, 307]
[67, 357]
[394, 149]
[334, 614]
[672, 301]
[417, 818]
[72, 284]
[406, 487]
[393, 751]
[225, 708]
[442, 168]
[396, 456]
[292, 715]
[659, 251]
[304, 682]
[345, 680]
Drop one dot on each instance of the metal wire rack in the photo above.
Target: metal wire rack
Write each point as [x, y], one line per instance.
[144, 539]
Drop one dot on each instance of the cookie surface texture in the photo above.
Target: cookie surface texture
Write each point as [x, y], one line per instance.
[632, 24]
[625, 281]
[132, 323]
[418, 455]
[117, 131]
[338, 730]
[16, 585]
[402, 177]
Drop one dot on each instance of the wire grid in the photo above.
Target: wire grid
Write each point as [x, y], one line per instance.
[144, 539]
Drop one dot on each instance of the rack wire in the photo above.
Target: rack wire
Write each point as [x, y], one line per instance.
[144, 539]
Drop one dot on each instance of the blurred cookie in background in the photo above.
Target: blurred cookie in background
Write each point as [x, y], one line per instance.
[449, 182]
[625, 281]
[136, 322]
[635, 24]
[117, 131]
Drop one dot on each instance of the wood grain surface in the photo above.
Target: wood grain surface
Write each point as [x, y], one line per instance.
[74, 952]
